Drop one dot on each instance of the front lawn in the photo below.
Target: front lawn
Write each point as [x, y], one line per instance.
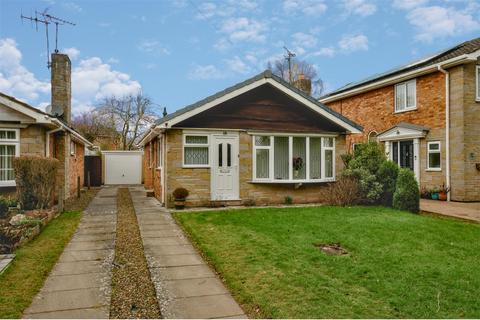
[399, 265]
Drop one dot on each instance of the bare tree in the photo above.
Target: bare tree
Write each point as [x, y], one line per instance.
[298, 67]
[131, 116]
[97, 128]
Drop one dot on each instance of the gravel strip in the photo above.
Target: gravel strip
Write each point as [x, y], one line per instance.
[133, 293]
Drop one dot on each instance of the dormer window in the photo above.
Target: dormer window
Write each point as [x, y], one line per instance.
[406, 96]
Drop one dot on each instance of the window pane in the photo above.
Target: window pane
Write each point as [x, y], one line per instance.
[196, 156]
[196, 139]
[328, 142]
[7, 153]
[433, 146]
[280, 159]
[328, 163]
[220, 154]
[434, 160]
[315, 158]
[262, 163]
[400, 97]
[262, 140]
[411, 94]
[299, 158]
[5, 134]
[395, 152]
[229, 155]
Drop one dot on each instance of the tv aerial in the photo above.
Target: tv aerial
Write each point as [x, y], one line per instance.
[44, 18]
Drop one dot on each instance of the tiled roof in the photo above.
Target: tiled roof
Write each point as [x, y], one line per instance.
[265, 74]
[466, 47]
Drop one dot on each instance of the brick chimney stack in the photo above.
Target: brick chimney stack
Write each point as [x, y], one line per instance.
[303, 84]
[61, 86]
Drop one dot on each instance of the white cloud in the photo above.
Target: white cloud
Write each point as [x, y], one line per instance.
[243, 29]
[93, 80]
[304, 39]
[152, 46]
[15, 79]
[113, 60]
[207, 72]
[307, 7]
[408, 4]
[439, 22]
[72, 6]
[73, 53]
[325, 52]
[351, 43]
[222, 44]
[359, 7]
[206, 10]
[237, 65]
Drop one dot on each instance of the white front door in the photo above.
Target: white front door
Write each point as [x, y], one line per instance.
[225, 171]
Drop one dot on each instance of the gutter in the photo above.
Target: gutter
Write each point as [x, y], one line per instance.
[401, 77]
[76, 134]
[447, 127]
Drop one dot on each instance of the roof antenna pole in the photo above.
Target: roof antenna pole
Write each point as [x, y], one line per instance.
[288, 56]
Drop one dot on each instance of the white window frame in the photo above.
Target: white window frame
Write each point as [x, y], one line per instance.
[159, 152]
[73, 148]
[11, 142]
[195, 145]
[439, 151]
[477, 82]
[405, 83]
[271, 154]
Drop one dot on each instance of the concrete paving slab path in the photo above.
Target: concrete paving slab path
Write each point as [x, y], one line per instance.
[79, 285]
[462, 210]
[186, 287]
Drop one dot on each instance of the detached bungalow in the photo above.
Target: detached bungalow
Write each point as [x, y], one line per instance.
[25, 130]
[254, 143]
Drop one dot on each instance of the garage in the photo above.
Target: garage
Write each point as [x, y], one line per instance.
[123, 167]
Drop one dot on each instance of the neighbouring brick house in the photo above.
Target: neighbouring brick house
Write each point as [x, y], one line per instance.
[256, 142]
[427, 114]
[25, 130]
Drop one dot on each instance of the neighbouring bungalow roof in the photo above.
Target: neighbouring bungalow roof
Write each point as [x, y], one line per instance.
[265, 74]
[466, 47]
[63, 123]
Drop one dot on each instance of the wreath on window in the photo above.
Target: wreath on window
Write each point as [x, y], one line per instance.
[297, 163]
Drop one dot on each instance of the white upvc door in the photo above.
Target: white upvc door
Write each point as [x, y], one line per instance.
[225, 167]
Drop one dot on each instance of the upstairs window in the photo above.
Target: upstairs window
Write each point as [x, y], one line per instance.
[196, 151]
[477, 69]
[406, 96]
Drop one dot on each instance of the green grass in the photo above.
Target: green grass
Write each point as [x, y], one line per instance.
[32, 264]
[399, 265]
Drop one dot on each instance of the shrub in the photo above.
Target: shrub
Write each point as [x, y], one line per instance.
[35, 179]
[288, 200]
[180, 193]
[387, 176]
[368, 156]
[407, 195]
[344, 192]
[3, 207]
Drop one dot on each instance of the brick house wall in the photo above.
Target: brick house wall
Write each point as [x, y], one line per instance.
[76, 168]
[32, 140]
[198, 180]
[151, 172]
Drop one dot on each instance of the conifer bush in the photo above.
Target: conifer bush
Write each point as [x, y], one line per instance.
[407, 193]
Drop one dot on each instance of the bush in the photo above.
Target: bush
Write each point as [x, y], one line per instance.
[387, 176]
[344, 192]
[35, 179]
[180, 193]
[368, 156]
[407, 195]
[4, 204]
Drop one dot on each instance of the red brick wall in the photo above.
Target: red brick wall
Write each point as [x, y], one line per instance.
[76, 168]
[151, 172]
[147, 169]
[374, 110]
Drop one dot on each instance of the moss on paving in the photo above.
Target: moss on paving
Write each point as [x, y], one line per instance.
[399, 265]
[25, 276]
[133, 293]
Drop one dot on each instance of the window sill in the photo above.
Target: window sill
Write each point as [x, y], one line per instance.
[8, 184]
[406, 110]
[290, 181]
[434, 170]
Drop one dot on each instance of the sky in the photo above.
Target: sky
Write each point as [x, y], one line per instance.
[179, 51]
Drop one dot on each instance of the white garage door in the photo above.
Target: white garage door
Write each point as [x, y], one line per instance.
[123, 167]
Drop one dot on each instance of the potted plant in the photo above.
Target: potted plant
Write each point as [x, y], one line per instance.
[297, 164]
[180, 195]
[425, 193]
[434, 193]
[443, 191]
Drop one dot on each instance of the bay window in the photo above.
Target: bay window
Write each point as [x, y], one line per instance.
[293, 159]
[196, 151]
[9, 148]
